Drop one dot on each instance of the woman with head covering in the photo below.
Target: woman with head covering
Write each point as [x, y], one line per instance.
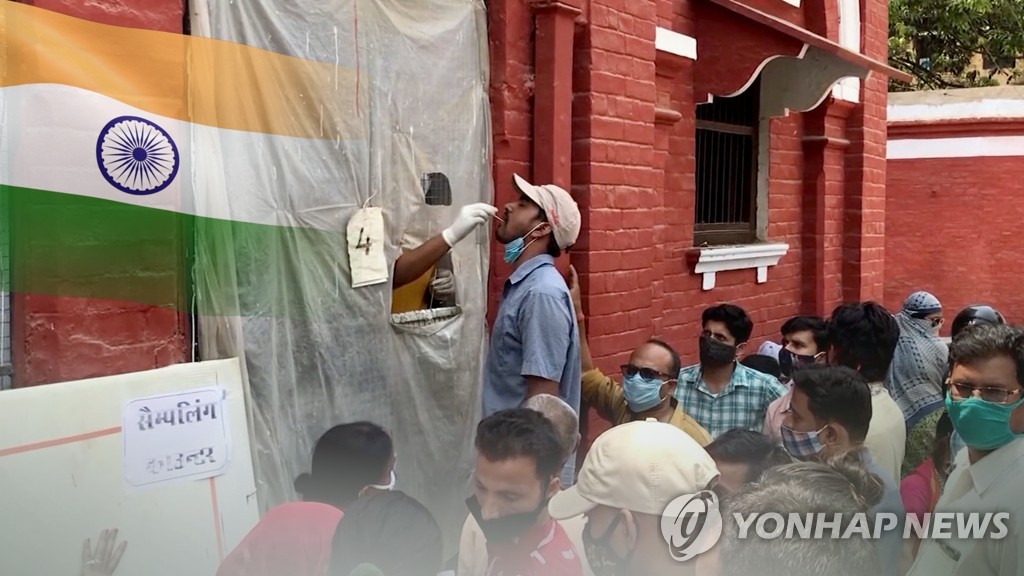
[294, 539]
[917, 373]
[389, 534]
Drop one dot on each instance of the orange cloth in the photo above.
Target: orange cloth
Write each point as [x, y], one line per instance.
[410, 297]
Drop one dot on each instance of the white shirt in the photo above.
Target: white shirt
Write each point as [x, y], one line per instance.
[887, 432]
[992, 484]
[473, 557]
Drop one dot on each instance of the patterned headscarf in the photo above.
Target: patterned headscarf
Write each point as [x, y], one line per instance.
[919, 366]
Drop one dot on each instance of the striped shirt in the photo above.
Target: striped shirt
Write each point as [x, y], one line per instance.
[741, 404]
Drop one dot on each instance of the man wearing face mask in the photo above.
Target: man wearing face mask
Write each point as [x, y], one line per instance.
[829, 414]
[720, 393]
[985, 401]
[519, 457]
[630, 476]
[535, 345]
[647, 381]
[804, 342]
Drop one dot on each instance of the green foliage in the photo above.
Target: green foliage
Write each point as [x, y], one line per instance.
[935, 40]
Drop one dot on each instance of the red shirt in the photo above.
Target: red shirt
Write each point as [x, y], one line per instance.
[545, 550]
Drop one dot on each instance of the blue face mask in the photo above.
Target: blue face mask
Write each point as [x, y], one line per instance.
[641, 394]
[983, 425]
[514, 249]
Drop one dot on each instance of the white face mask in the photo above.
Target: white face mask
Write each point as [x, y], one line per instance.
[382, 487]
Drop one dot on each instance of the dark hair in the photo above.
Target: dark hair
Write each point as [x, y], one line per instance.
[815, 324]
[677, 364]
[837, 393]
[742, 446]
[734, 318]
[941, 449]
[764, 364]
[346, 459]
[984, 341]
[375, 525]
[518, 433]
[864, 337]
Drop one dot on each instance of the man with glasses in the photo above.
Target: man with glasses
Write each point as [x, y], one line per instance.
[985, 401]
[648, 381]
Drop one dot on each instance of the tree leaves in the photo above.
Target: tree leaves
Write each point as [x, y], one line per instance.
[936, 40]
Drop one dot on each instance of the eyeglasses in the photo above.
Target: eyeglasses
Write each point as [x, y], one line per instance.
[629, 370]
[988, 393]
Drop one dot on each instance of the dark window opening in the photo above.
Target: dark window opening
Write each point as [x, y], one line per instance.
[726, 155]
[1001, 62]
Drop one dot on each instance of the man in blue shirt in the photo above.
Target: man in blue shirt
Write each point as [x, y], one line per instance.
[535, 346]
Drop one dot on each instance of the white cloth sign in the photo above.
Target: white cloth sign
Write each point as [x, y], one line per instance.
[366, 247]
[181, 436]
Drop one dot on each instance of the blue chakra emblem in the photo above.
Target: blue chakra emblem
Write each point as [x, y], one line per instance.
[136, 156]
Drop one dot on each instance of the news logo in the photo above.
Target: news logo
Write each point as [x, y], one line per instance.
[691, 525]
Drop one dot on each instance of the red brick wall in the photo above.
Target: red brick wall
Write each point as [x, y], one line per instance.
[58, 339]
[953, 229]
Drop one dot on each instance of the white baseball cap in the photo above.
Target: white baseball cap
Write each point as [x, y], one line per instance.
[562, 212]
[640, 466]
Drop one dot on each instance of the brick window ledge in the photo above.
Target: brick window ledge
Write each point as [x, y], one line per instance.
[711, 260]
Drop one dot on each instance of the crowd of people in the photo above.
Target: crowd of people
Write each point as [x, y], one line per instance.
[863, 412]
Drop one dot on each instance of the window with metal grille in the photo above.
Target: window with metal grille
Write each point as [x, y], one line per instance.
[726, 211]
[6, 371]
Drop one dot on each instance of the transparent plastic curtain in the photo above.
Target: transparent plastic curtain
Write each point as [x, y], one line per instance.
[316, 351]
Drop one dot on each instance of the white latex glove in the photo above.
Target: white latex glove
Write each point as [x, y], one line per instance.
[444, 283]
[469, 218]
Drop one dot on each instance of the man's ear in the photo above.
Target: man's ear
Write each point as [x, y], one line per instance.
[740, 349]
[835, 433]
[668, 387]
[553, 486]
[543, 230]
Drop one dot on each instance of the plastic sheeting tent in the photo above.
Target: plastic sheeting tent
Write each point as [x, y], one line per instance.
[331, 353]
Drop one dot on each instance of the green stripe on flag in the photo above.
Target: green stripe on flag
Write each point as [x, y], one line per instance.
[77, 246]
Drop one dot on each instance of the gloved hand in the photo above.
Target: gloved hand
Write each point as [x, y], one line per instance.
[469, 218]
[443, 285]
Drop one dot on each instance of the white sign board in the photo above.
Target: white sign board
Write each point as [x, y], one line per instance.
[181, 436]
[74, 461]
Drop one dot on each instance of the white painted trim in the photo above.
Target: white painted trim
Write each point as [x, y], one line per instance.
[675, 43]
[968, 147]
[740, 257]
[792, 2]
[848, 89]
[995, 108]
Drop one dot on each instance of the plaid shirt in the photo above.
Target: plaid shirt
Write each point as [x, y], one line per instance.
[741, 404]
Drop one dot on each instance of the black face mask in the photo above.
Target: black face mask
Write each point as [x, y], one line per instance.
[790, 361]
[715, 354]
[602, 559]
[507, 527]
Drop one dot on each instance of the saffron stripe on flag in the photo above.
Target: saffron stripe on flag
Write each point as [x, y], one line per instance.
[200, 80]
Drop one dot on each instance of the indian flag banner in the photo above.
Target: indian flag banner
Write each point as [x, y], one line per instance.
[127, 155]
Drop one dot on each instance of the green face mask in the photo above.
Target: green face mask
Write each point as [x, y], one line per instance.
[983, 425]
